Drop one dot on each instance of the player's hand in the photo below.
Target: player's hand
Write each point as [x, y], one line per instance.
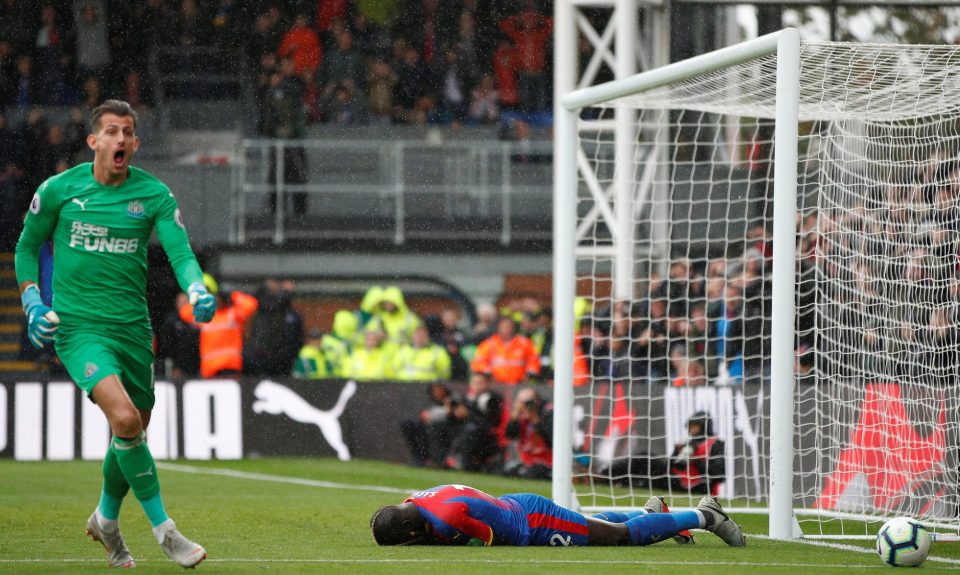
[42, 322]
[203, 302]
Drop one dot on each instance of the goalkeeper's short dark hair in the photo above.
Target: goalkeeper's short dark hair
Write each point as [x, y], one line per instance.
[116, 107]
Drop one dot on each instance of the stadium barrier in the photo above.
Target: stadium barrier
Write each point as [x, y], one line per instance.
[253, 417]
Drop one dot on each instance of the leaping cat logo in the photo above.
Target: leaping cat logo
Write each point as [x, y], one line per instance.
[274, 399]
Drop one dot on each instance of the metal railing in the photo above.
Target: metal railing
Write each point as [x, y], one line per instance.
[405, 183]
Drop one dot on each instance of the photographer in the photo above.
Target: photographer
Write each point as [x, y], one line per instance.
[531, 425]
[477, 444]
[429, 435]
[695, 466]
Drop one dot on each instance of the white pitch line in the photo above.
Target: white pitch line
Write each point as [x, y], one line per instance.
[448, 560]
[856, 548]
[279, 478]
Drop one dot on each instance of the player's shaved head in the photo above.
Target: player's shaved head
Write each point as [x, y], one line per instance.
[398, 525]
[117, 108]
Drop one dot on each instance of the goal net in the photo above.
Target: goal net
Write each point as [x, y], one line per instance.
[678, 303]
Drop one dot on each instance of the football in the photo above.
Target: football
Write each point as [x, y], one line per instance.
[903, 542]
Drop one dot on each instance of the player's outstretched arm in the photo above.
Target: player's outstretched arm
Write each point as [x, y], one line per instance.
[41, 219]
[173, 237]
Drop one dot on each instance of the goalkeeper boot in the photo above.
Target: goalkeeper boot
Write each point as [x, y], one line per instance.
[656, 504]
[184, 552]
[112, 541]
[720, 524]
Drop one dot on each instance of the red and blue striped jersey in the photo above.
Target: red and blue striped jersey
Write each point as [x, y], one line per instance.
[461, 515]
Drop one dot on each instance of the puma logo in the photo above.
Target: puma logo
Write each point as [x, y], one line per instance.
[81, 203]
[274, 399]
[145, 473]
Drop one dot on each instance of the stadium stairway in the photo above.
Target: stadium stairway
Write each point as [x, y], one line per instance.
[10, 322]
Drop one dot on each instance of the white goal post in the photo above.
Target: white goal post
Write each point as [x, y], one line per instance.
[835, 389]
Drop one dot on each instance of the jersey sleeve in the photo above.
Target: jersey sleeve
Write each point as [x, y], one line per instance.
[173, 237]
[37, 227]
[459, 527]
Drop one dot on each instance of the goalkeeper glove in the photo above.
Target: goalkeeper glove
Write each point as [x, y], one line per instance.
[42, 322]
[204, 304]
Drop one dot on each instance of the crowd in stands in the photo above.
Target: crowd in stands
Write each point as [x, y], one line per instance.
[341, 61]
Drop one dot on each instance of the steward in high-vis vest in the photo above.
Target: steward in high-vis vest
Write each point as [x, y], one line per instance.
[221, 339]
[311, 362]
[337, 345]
[392, 316]
[507, 356]
[373, 361]
[422, 360]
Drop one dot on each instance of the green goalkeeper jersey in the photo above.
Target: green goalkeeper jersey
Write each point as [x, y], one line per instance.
[100, 236]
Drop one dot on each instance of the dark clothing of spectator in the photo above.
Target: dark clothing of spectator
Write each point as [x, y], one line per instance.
[180, 342]
[476, 445]
[276, 336]
[530, 33]
[430, 434]
[283, 118]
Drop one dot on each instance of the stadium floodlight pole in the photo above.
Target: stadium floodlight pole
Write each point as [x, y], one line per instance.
[565, 182]
[784, 285]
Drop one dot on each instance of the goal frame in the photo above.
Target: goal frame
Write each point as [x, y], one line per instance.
[786, 45]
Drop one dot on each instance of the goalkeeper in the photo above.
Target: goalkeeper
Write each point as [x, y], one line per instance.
[100, 216]
[461, 515]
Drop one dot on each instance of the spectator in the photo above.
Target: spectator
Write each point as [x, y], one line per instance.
[368, 305]
[484, 102]
[345, 109]
[695, 466]
[11, 185]
[276, 332]
[24, 91]
[7, 73]
[178, 343]
[383, 13]
[226, 25]
[302, 45]
[531, 426]
[49, 59]
[186, 28]
[221, 340]
[421, 359]
[411, 82]
[267, 34]
[429, 435]
[508, 357]
[329, 12]
[283, 118]
[453, 340]
[92, 45]
[343, 65]
[311, 362]
[53, 151]
[478, 444]
[505, 70]
[75, 135]
[338, 344]
[486, 324]
[393, 317]
[530, 32]
[372, 361]
[381, 83]
[369, 37]
[452, 86]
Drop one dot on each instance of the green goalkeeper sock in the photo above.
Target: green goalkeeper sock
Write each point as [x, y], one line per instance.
[136, 462]
[115, 487]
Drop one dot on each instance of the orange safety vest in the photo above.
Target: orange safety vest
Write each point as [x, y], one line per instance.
[221, 339]
[508, 362]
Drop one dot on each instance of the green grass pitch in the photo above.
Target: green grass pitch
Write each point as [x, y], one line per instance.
[315, 520]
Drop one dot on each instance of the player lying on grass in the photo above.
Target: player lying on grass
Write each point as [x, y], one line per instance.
[460, 515]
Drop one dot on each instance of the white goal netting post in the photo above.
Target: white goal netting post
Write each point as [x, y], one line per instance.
[793, 236]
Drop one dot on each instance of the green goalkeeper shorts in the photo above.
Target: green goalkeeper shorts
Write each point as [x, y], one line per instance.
[91, 352]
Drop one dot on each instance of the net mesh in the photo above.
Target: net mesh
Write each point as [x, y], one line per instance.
[685, 349]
